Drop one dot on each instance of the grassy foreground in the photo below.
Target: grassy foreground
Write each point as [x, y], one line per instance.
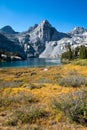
[54, 98]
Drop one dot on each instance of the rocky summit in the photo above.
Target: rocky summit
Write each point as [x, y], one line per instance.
[41, 40]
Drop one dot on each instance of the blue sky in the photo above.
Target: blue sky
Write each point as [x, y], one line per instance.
[63, 14]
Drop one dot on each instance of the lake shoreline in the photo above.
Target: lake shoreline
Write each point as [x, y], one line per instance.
[31, 62]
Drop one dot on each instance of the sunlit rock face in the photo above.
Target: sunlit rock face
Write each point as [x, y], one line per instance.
[38, 35]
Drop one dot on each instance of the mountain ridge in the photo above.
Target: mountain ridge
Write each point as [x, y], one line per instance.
[40, 39]
[8, 29]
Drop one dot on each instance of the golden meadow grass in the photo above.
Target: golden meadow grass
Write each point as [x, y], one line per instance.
[26, 98]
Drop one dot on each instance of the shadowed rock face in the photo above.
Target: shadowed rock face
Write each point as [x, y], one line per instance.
[42, 40]
[8, 29]
[9, 46]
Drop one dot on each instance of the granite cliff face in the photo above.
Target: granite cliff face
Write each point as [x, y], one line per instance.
[78, 37]
[37, 37]
[45, 32]
[42, 40]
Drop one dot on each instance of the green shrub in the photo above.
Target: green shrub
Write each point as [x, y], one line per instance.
[4, 102]
[20, 98]
[26, 114]
[24, 98]
[82, 62]
[73, 81]
[74, 105]
[83, 52]
[78, 52]
[30, 115]
[66, 55]
[11, 122]
[35, 86]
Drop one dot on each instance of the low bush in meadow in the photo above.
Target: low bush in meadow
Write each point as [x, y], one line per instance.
[73, 105]
[28, 114]
[73, 81]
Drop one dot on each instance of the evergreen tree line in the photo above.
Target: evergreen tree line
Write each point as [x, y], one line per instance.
[78, 52]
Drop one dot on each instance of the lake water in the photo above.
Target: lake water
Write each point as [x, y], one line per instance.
[31, 62]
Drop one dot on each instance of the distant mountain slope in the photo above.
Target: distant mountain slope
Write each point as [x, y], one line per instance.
[78, 30]
[7, 45]
[8, 29]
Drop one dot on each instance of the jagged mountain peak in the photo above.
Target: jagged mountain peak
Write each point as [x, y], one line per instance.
[45, 32]
[42, 33]
[8, 29]
[78, 30]
[45, 23]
